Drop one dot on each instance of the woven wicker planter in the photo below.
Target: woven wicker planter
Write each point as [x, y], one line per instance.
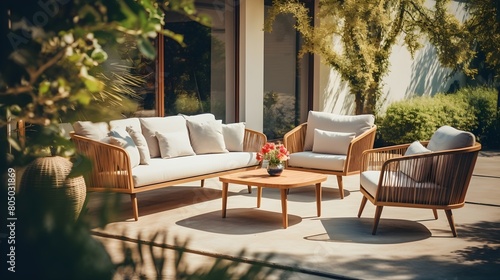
[47, 177]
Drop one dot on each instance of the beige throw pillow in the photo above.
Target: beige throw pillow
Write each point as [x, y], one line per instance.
[234, 135]
[206, 136]
[121, 138]
[174, 144]
[142, 145]
[417, 169]
[330, 142]
[160, 124]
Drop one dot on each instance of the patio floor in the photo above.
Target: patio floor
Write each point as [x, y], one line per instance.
[409, 243]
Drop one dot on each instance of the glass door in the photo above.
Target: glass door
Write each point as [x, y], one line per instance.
[285, 79]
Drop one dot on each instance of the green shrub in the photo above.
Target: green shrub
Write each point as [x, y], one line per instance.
[482, 103]
[418, 118]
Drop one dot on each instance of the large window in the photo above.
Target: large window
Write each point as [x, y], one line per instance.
[196, 78]
[202, 75]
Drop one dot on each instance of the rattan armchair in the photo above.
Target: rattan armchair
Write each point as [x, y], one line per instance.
[295, 142]
[433, 180]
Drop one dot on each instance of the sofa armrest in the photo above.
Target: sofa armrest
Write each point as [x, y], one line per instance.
[111, 168]
[356, 148]
[253, 140]
[295, 138]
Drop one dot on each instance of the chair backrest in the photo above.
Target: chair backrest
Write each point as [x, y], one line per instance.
[452, 169]
[335, 123]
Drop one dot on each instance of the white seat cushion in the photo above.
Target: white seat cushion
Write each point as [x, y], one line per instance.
[317, 161]
[163, 170]
[333, 122]
[369, 180]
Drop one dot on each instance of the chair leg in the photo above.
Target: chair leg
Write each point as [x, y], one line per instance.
[378, 213]
[341, 186]
[362, 206]
[135, 207]
[202, 183]
[449, 215]
[249, 189]
[435, 213]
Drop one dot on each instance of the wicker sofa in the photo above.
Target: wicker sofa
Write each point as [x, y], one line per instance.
[135, 155]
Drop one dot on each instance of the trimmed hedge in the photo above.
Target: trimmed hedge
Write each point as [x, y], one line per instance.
[483, 104]
[417, 118]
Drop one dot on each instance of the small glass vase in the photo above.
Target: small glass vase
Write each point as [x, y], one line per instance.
[275, 169]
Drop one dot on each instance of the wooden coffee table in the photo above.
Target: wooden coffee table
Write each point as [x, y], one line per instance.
[288, 179]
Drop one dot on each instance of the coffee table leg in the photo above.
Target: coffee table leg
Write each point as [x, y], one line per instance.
[284, 207]
[224, 198]
[318, 198]
[259, 196]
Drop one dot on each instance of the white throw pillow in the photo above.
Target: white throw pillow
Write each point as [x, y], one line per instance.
[174, 144]
[96, 131]
[417, 169]
[206, 136]
[333, 122]
[140, 142]
[234, 135]
[331, 142]
[121, 138]
[160, 124]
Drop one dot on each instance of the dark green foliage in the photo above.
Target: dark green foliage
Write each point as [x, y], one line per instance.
[50, 244]
[418, 118]
[187, 89]
[278, 117]
[482, 103]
